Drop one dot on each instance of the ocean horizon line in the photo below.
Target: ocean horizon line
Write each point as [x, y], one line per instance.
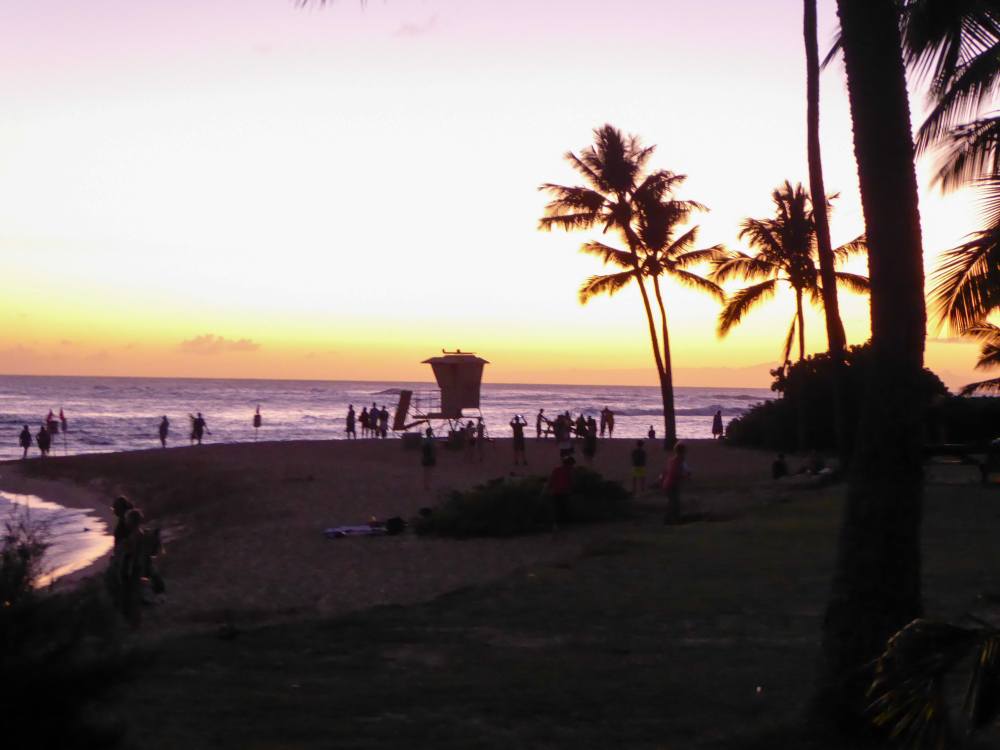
[391, 381]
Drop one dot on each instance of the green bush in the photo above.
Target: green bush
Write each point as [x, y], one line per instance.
[512, 506]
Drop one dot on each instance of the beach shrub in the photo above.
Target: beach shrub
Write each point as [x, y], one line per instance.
[58, 652]
[510, 506]
[804, 418]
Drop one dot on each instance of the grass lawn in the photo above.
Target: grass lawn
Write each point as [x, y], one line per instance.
[702, 635]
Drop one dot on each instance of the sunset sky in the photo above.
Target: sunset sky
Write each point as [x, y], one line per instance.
[244, 188]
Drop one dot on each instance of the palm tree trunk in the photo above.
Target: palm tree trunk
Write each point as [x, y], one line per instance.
[667, 379]
[835, 336]
[654, 340]
[831, 306]
[876, 582]
[802, 324]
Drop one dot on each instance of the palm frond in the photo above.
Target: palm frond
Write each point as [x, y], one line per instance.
[855, 247]
[610, 255]
[969, 153]
[609, 284]
[695, 281]
[967, 281]
[694, 257]
[853, 282]
[733, 264]
[587, 171]
[987, 387]
[989, 335]
[786, 349]
[741, 302]
[762, 234]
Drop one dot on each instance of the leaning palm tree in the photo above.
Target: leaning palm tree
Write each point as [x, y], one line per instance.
[620, 196]
[787, 251]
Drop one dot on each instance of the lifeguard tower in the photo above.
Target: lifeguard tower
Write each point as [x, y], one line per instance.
[459, 376]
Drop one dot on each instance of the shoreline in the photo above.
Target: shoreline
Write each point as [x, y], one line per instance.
[68, 494]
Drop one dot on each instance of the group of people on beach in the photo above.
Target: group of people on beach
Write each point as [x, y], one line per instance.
[564, 425]
[374, 422]
[199, 428]
[50, 426]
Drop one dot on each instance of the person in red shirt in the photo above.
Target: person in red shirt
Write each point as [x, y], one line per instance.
[559, 487]
[671, 481]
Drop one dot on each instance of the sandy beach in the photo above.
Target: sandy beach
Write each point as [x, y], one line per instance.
[244, 522]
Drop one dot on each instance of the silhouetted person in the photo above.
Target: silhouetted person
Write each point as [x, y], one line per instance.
[560, 487]
[604, 420]
[24, 440]
[383, 420]
[480, 438]
[580, 426]
[638, 467]
[164, 430]
[373, 417]
[120, 507]
[517, 426]
[62, 420]
[258, 420]
[611, 422]
[198, 428]
[538, 424]
[779, 468]
[717, 429]
[365, 423]
[652, 433]
[590, 440]
[428, 456]
[351, 432]
[44, 440]
[470, 440]
[672, 479]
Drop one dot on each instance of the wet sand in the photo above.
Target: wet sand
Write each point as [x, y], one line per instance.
[245, 521]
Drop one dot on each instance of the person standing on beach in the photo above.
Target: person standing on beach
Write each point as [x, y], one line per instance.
[517, 425]
[611, 422]
[24, 440]
[257, 421]
[590, 441]
[538, 424]
[604, 420]
[62, 420]
[164, 430]
[383, 422]
[351, 434]
[428, 456]
[44, 440]
[373, 417]
[717, 429]
[672, 479]
[638, 467]
[198, 428]
[480, 438]
[652, 433]
[364, 421]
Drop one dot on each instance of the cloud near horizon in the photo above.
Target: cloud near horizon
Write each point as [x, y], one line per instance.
[209, 343]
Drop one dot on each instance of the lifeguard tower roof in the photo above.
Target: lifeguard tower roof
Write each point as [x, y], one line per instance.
[459, 375]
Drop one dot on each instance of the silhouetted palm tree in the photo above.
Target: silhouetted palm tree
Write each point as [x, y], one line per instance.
[622, 197]
[876, 587]
[787, 250]
[989, 358]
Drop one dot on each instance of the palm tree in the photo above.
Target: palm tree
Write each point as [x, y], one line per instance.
[989, 357]
[622, 197]
[787, 249]
[876, 585]
[956, 43]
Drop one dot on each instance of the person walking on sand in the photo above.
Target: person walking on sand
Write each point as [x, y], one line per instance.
[428, 456]
[351, 434]
[44, 440]
[671, 481]
[517, 425]
[717, 429]
[24, 440]
[611, 423]
[638, 467]
[164, 430]
[538, 424]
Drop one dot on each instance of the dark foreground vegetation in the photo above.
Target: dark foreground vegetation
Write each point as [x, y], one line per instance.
[509, 506]
[803, 418]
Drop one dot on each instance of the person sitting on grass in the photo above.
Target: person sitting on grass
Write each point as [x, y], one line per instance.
[638, 467]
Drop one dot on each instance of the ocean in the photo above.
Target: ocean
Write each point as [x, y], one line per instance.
[120, 414]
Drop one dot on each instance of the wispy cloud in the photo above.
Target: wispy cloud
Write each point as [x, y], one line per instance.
[417, 28]
[209, 343]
